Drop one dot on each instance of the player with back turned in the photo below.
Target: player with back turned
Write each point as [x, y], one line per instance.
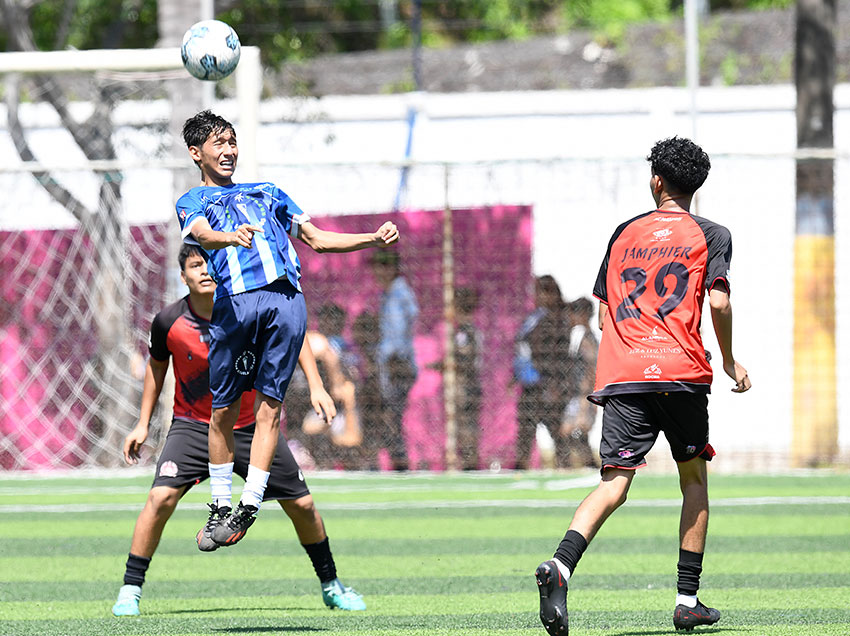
[653, 373]
[259, 316]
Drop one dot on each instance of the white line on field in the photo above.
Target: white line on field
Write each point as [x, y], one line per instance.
[519, 484]
[437, 505]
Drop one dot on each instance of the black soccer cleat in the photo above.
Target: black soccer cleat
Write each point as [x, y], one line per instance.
[553, 599]
[234, 527]
[204, 536]
[687, 618]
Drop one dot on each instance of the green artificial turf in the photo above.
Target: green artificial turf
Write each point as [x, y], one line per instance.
[432, 554]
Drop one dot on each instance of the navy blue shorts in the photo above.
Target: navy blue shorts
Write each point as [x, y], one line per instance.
[255, 340]
[184, 461]
[631, 424]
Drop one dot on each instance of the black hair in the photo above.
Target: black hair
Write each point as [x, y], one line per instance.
[198, 128]
[187, 250]
[466, 300]
[681, 163]
[389, 257]
[331, 316]
[582, 306]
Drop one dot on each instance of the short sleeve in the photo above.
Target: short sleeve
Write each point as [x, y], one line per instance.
[290, 215]
[189, 210]
[158, 343]
[719, 243]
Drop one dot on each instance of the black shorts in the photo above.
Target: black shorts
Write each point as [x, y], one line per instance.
[184, 461]
[631, 423]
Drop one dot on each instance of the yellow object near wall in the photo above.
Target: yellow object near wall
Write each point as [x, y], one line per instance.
[815, 426]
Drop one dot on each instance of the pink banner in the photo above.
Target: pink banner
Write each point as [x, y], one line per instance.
[492, 255]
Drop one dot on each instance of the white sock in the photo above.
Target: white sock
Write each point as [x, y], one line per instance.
[221, 484]
[686, 600]
[255, 486]
[565, 571]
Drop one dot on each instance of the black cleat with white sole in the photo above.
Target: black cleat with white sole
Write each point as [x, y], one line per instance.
[553, 599]
[686, 618]
[234, 527]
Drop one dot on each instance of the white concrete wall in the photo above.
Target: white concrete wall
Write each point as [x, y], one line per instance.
[582, 167]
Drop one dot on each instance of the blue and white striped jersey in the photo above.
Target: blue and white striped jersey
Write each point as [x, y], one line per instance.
[272, 256]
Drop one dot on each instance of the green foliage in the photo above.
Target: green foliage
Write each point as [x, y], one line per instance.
[94, 24]
[300, 30]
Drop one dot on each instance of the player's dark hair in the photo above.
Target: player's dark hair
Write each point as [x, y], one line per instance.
[681, 163]
[185, 252]
[198, 128]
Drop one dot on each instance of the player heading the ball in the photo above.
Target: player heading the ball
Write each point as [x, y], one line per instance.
[259, 317]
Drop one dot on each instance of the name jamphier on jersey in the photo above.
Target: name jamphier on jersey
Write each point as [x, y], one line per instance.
[648, 253]
[658, 268]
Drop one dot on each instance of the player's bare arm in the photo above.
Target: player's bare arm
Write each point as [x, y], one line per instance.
[327, 241]
[211, 239]
[603, 311]
[721, 317]
[321, 400]
[154, 378]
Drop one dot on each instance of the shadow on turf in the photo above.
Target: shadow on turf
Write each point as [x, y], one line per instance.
[657, 632]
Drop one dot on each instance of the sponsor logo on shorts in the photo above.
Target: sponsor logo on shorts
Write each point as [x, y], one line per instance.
[625, 453]
[168, 469]
[690, 450]
[245, 363]
[300, 475]
[653, 371]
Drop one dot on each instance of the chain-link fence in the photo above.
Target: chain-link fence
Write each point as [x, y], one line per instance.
[494, 351]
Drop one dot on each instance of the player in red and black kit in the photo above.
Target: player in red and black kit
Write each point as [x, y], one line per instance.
[180, 332]
[653, 374]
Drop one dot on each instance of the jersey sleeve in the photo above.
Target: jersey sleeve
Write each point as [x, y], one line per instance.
[158, 342]
[290, 215]
[190, 209]
[600, 289]
[719, 242]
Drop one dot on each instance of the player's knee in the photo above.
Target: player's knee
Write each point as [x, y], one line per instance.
[163, 500]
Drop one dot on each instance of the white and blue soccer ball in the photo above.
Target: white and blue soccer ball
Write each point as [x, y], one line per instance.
[210, 50]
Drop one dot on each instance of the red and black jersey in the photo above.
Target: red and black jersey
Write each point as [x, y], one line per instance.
[654, 277]
[179, 332]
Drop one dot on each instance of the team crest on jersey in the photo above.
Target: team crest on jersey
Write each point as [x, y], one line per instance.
[245, 363]
[168, 469]
[652, 372]
[662, 234]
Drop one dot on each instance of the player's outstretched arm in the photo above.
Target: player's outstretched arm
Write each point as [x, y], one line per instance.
[327, 241]
[721, 317]
[154, 378]
[211, 239]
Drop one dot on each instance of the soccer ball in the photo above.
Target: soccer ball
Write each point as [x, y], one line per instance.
[210, 50]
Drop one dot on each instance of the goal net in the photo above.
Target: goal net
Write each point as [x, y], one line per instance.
[86, 242]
